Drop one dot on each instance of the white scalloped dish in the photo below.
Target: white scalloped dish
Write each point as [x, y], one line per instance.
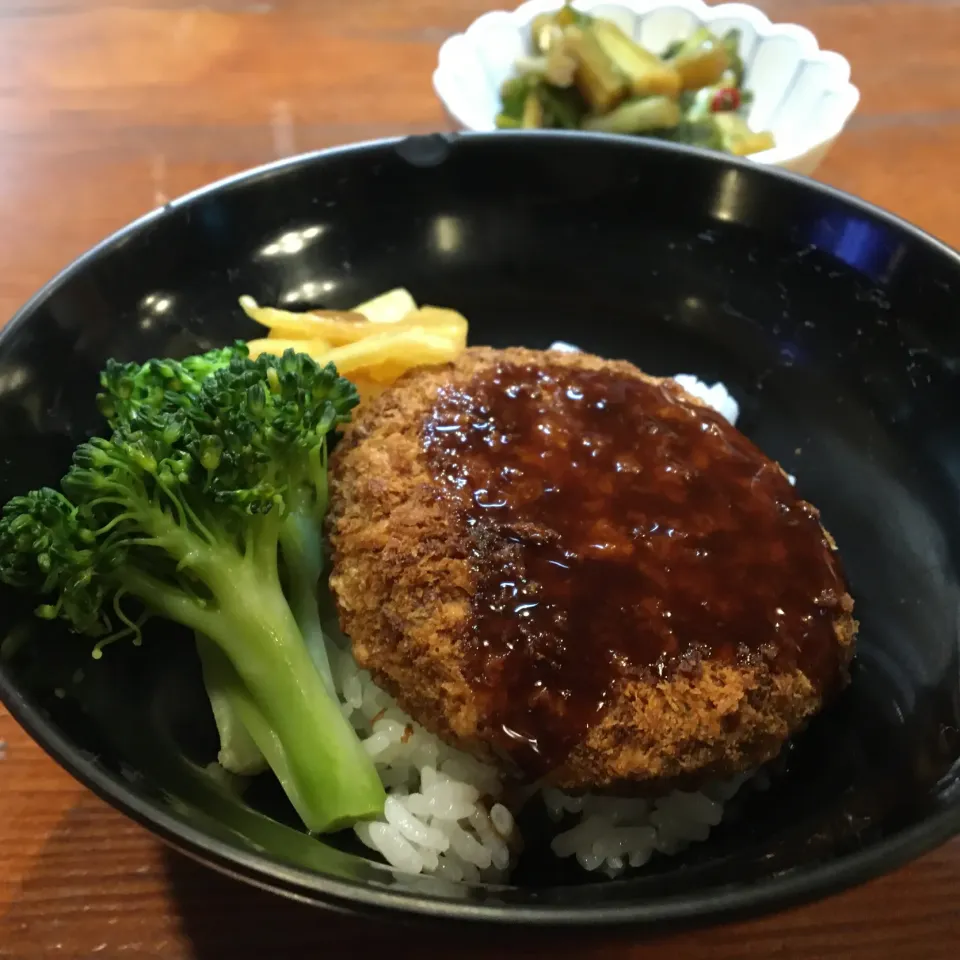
[802, 94]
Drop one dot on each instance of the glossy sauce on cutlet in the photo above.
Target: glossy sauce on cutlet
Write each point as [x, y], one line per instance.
[618, 530]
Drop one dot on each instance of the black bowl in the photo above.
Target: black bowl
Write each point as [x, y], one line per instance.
[833, 323]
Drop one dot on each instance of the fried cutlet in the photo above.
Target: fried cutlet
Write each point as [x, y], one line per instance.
[560, 563]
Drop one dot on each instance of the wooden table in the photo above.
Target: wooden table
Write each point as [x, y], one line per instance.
[106, 111]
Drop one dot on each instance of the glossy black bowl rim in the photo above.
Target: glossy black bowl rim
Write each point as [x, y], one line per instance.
[790, 887]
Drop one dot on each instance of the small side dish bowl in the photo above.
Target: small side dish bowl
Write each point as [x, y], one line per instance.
[802, 94]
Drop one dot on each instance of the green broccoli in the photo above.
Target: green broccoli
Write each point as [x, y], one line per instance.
[130, 389]
[184, 508]
[133, 392]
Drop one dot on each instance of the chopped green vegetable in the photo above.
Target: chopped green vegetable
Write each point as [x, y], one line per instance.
[700, 38]
[532, 112]
[546, 32]
[738, 138]
[701, 61]
[731, 43]
[569, 16]
[562, 108]
[597, 79]
[645, 72]
[186, 509]
[672, 50]
[587, 73]
[637, 116]
[513, 95]
[560, 69]
[547, 29]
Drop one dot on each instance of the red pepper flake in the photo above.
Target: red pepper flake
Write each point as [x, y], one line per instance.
[726, 99]
[378, 716]
[407, 734]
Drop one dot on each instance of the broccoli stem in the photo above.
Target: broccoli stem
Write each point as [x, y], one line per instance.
[224, 682]
[311, 745]
[301, 547]
[239, 752]
[247, 744]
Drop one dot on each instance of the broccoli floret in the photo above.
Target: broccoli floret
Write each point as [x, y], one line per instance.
[132, 394]
[133, 390]
[135, 393]
[184, 508]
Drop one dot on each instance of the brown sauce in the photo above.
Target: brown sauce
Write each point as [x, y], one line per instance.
[619, 531]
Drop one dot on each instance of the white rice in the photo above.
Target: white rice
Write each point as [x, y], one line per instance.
[717, 396]
[612, 833]
[443, 815]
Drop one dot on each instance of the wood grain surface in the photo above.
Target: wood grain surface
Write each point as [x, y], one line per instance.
[106, 111]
